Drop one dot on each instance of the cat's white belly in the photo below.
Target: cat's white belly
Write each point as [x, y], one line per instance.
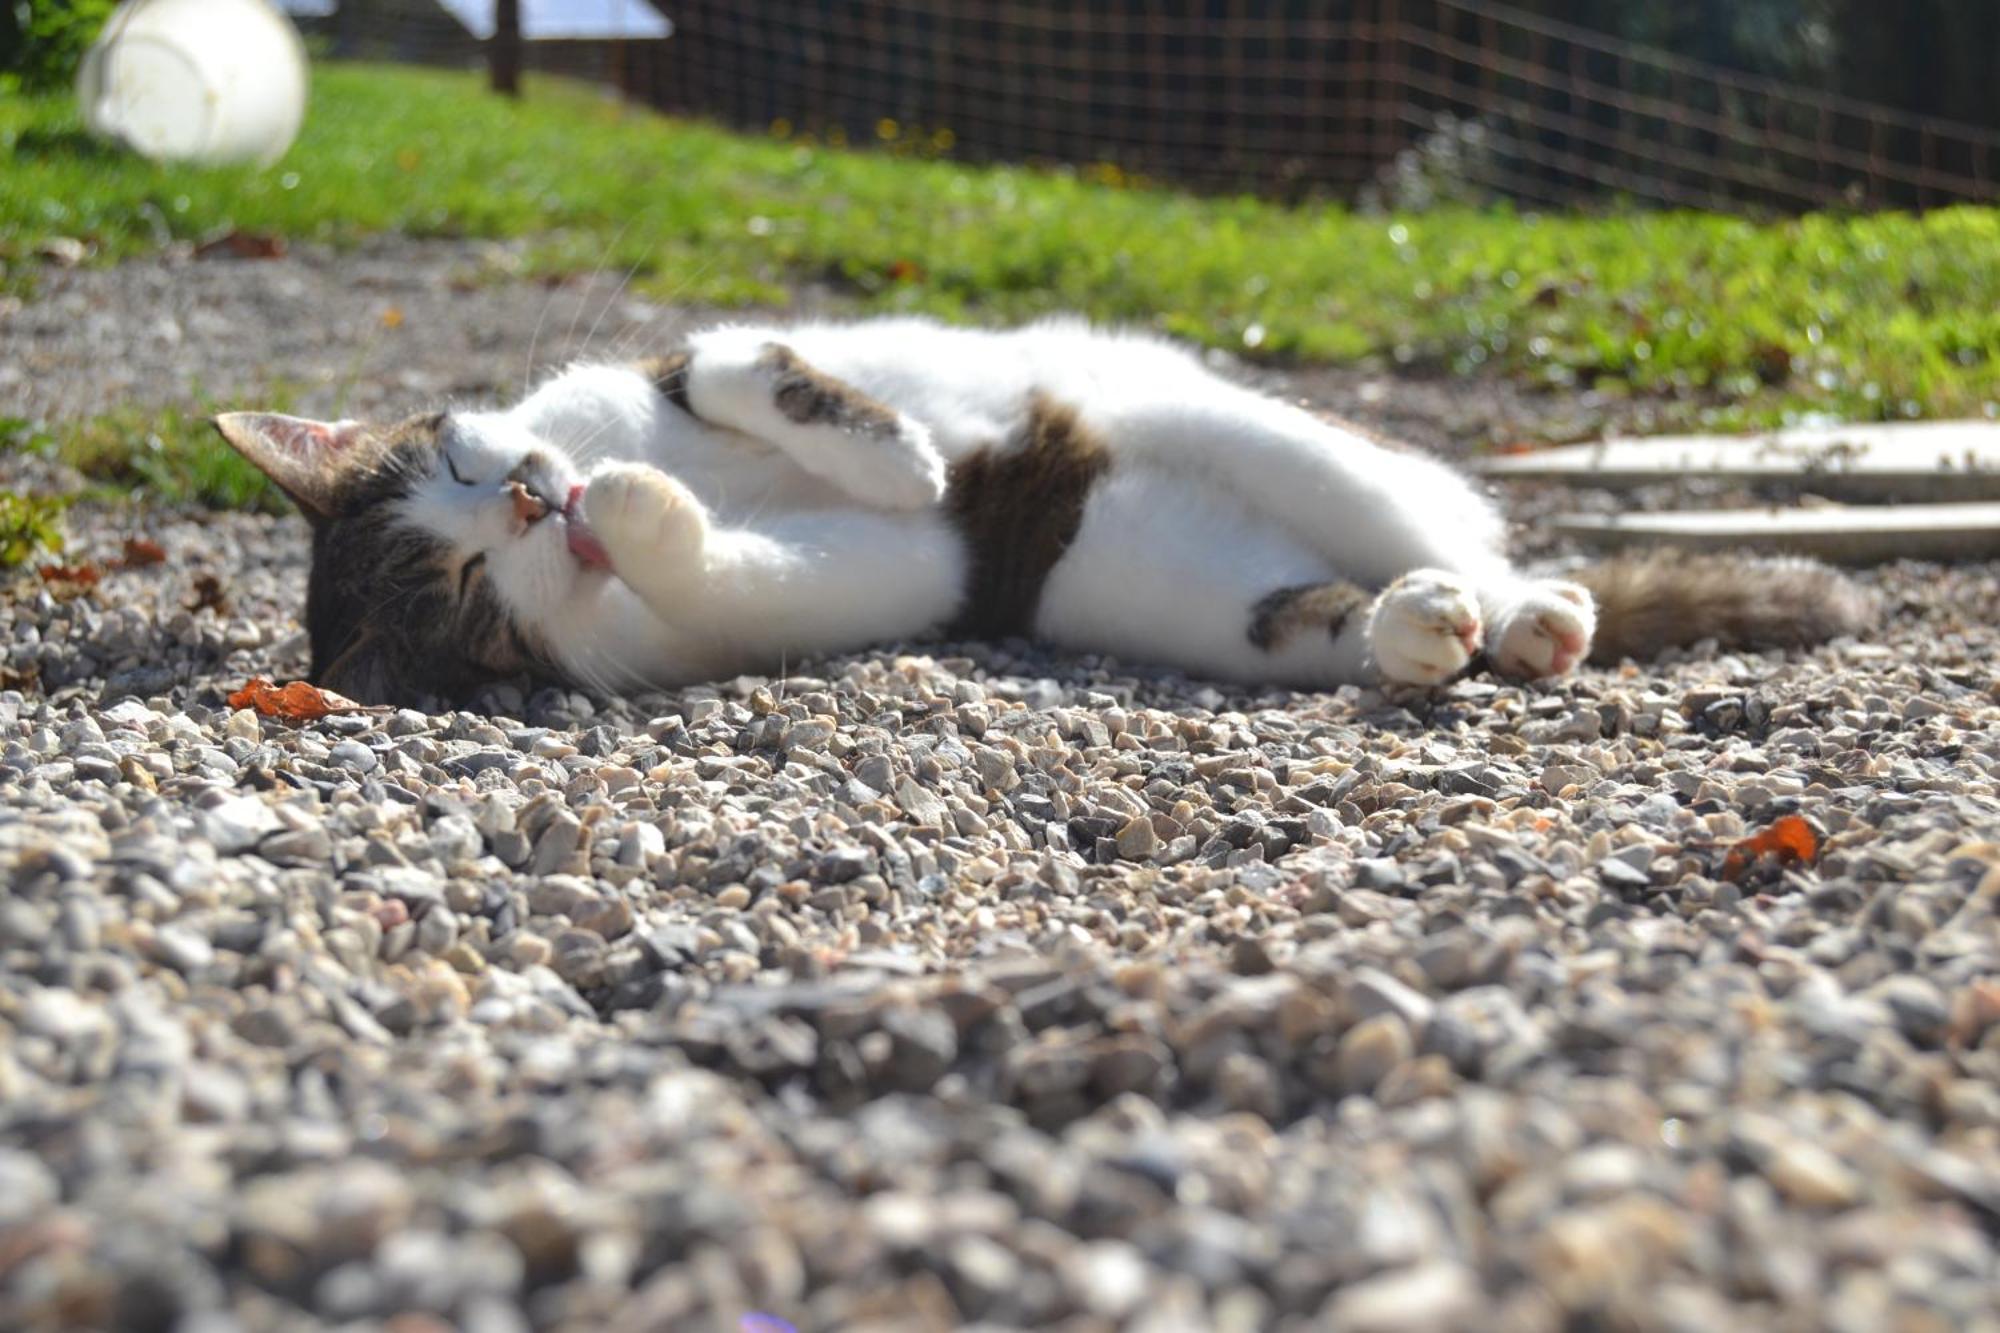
[1166, 570]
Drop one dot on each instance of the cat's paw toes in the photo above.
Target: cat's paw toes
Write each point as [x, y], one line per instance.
[1546, 633]
[642, 513]
[1425, 628]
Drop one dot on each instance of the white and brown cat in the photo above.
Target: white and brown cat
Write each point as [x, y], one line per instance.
[770, 493]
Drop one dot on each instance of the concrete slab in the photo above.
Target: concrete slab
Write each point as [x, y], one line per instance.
[1917, 460]
[1854, 535]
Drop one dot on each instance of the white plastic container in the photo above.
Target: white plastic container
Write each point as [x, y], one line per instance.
[208, 81]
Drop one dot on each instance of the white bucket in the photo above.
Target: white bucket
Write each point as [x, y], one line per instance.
[208, 81]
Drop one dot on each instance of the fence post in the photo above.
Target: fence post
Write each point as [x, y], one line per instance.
[503, 51]
[1392, 95]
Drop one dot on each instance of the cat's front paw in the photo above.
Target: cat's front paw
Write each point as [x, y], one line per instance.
[1425, 628]
[1545, 633]
[643, 517]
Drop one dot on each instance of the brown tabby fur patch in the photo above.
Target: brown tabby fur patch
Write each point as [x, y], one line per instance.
[1650, 602]
[811, 397]
[390, 616]
[1018, 506]
[1301, 608]
[669, 375]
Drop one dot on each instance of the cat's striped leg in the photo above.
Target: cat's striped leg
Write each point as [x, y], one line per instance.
[742, 379]
[1164, 569]
[1423, 629]
[1378, 514]
[1312, 634]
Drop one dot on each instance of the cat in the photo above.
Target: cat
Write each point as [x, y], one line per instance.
[764, 494]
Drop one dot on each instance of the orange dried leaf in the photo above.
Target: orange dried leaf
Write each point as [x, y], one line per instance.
[1789, 840]
[235, 244]
[142, 551]
[392, 317]
[296, 702]
[82, 576]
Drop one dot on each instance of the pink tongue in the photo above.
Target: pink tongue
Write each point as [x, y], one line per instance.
[583, 543]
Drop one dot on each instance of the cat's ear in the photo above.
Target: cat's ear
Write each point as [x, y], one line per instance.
[305, 458]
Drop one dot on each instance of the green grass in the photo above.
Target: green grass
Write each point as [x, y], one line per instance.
[30, 526]
[1865, 317]
[167, 454]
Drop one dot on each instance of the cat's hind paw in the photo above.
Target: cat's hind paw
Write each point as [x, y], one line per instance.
[1546, 632]
[645, 519]
[1425, 628]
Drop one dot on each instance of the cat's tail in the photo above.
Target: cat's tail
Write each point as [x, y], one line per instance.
[1651, 602]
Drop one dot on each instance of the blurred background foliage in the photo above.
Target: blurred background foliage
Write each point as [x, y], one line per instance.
[1931, 57]
[1731, 320]
[1865, 316]
[42, 41]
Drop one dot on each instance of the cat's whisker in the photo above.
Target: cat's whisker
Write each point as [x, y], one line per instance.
[352, 375]
[700, 270]
[784, 676]
[617, 295]
[586, 449]
[586, 444]
[597, 669]
[569, 336]
[535, 338]
[576, 664]
[679, 318]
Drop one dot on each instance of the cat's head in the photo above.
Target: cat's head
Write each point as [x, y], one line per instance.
[444, 548]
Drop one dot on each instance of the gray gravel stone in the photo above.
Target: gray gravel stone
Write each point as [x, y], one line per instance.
[959, 984]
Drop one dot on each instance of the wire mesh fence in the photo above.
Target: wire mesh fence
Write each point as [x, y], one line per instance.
[1403, 98]
[433, 32]
[1567, 113]
[1281, 96]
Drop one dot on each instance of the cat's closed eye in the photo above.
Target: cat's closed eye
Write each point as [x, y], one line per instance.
[467, 570]
[445, 432]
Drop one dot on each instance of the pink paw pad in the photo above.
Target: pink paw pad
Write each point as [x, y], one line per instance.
[1570, 647]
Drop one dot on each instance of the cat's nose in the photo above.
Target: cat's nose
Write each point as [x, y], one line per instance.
[528, 507]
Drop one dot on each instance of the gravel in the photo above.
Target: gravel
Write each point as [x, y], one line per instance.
[961, 984]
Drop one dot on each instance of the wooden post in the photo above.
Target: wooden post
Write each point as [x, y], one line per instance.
[503, 52]
[10, 35]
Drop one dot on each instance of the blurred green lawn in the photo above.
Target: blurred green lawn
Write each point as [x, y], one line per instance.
[1743, 322]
